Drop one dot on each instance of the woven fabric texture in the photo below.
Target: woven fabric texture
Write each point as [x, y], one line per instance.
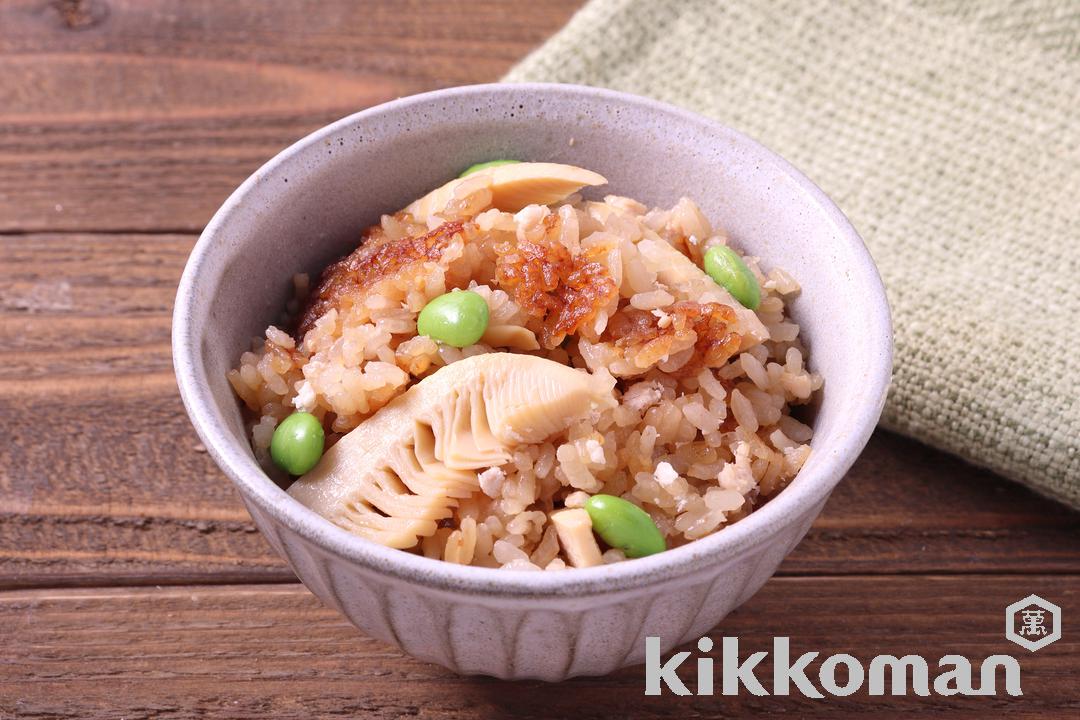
[949, 134]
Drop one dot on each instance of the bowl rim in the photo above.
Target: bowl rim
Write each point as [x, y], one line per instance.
[785, 509]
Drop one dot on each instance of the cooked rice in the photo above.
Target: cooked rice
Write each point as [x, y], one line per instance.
[700, 436]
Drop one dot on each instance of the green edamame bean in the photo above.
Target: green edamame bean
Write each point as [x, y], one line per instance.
[485, 165]
[297, 443]
[728, 269]
[624, 525]
[458, 318]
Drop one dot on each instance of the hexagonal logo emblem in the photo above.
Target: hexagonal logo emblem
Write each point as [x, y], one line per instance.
[1033, 622]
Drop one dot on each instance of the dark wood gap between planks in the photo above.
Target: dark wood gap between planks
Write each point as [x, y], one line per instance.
[224, 580]
[284, 576]
[27, 232]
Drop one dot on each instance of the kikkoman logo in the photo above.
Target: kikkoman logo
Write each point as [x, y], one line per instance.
[886, 674]
[1032, 623]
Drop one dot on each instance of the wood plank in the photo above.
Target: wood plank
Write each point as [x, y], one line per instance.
[144, 115]
[247, 652]
[102, 479]
[906, 508]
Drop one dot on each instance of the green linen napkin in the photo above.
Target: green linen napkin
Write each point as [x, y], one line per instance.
[948, 133]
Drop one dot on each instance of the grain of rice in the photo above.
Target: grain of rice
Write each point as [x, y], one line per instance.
[280, 338]
[491, 481]
[613, 555]
[797, 431]
[700, 417]
[743, 410]
[652, 300]
[782, 282]
[665, 474]
[754, 370]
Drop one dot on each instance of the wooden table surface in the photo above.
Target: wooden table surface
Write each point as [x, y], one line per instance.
[133, 583]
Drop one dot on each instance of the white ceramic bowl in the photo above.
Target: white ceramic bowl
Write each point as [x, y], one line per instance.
[306, 207]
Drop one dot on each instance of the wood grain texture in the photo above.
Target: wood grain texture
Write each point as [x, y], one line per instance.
[104, 481]
[123, 125]
[253, 652]
[102, 476]
[144, 115]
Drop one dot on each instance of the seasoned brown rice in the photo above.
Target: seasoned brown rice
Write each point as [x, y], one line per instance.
[700, 430]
